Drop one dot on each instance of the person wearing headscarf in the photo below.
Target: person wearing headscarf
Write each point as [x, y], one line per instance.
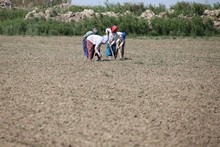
[94, 43]
[85, 50]
[120, 44]
[111, 45]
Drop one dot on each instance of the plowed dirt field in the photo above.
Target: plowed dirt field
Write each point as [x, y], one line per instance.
[165, 93]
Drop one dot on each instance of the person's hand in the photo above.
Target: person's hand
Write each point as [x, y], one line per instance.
[99, 55]
[111, 44]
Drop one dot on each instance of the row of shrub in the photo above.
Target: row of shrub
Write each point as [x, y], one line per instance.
[196, 26]
[38, 26]
[185, 8]
[12, 21]
[130, 24]
[191, 9]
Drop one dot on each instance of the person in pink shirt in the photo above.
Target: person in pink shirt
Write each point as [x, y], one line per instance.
[93, 43]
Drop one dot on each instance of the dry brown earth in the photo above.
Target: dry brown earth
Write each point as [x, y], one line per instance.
[166, 93]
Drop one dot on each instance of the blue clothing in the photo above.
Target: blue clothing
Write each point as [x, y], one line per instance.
[108, 50]
[85, 50]
[123, 35]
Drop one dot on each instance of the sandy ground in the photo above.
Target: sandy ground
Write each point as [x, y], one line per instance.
[166, 93]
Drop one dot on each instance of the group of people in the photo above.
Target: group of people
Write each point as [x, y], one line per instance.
[114, 40]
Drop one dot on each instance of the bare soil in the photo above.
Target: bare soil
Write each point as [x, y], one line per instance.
[165, 93]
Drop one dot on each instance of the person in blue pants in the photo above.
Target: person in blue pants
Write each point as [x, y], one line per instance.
[85, 50]
[111, 45]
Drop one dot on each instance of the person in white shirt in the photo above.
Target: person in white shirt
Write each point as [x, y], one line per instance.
[93, 43]
[120, 44]
[111, 45]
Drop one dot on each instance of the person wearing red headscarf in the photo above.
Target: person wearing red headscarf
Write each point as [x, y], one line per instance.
[111, 45]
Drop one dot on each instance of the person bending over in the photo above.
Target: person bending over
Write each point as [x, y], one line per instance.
[93, 44]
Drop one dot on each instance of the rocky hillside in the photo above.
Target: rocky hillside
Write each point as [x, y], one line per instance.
[61, 13]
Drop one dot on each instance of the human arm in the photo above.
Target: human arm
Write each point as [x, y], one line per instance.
[97, 48]
[88, 34]
[119, 43]
[113, 38]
